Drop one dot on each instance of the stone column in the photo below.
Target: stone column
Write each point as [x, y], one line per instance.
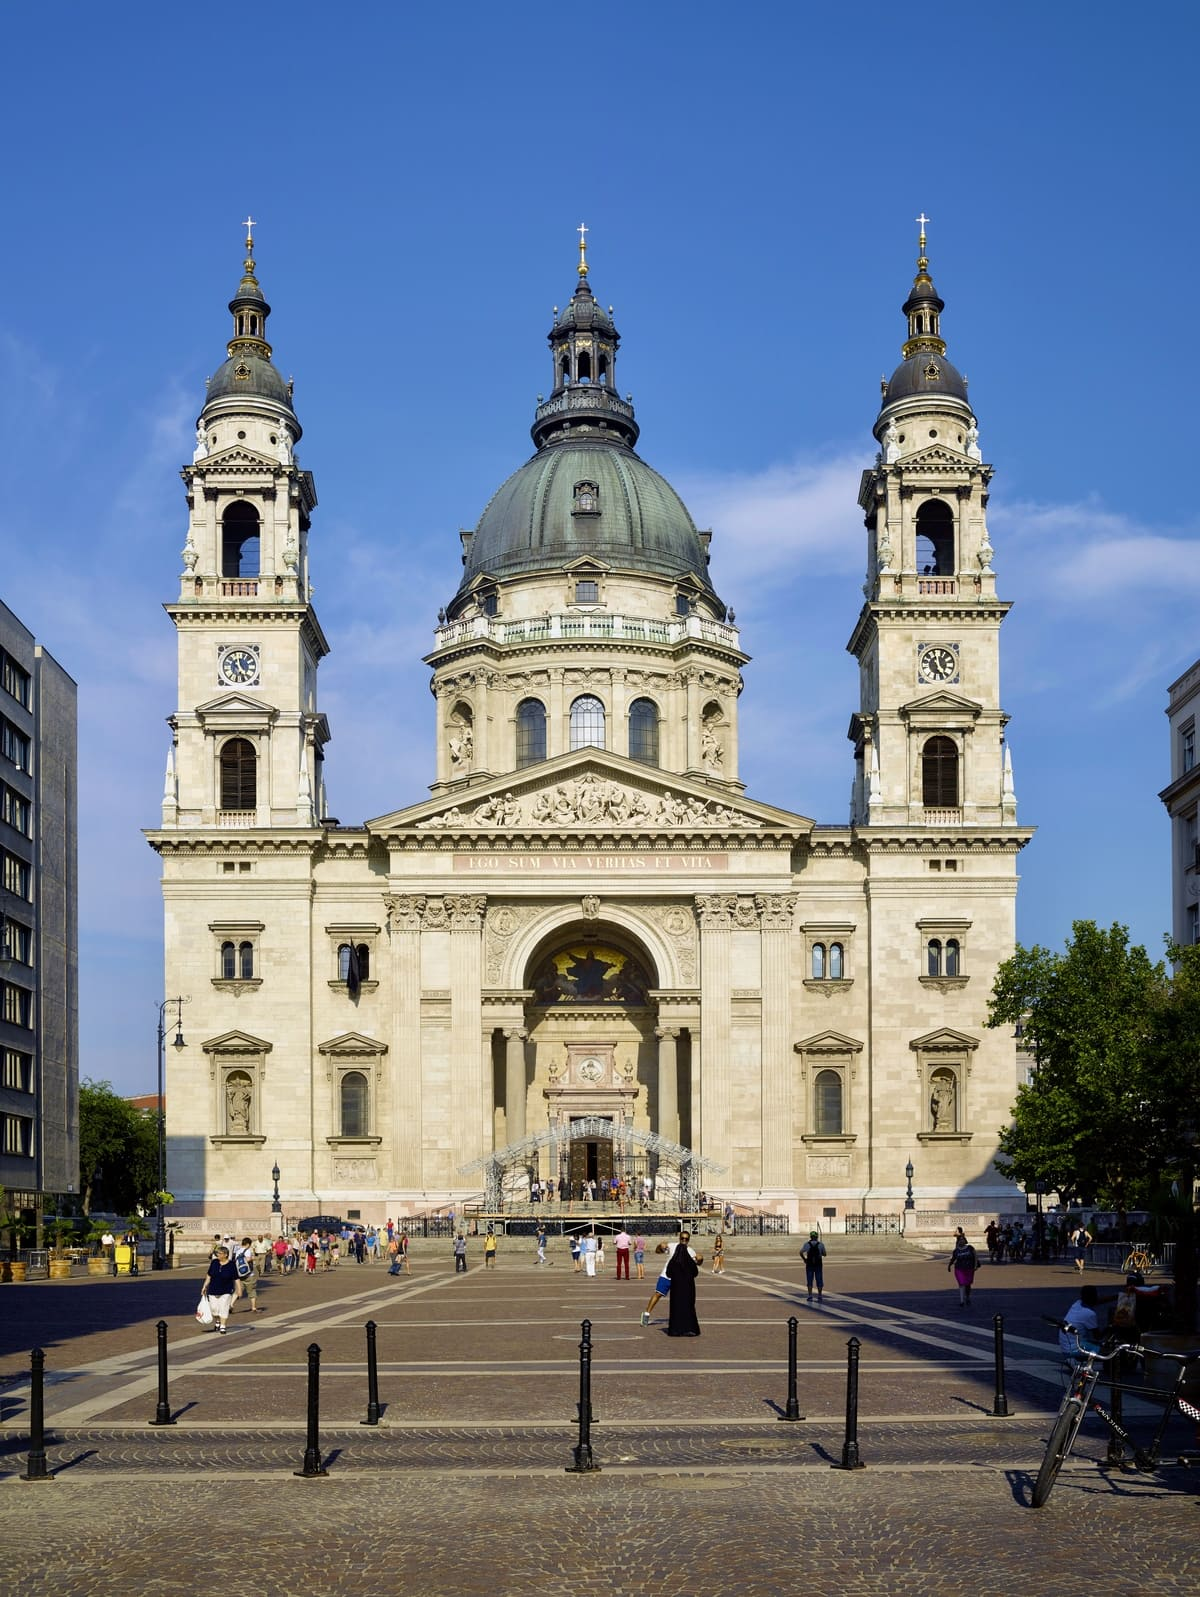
[472, 1103]
[776, 910]
[668, 1082]
[404, 1062]
[716, 1105]
[514, 1083]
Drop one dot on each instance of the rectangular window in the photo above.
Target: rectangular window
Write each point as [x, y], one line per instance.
[16, 941]
[14, 745]
[16, 1070]
[1187, 749]
[15, 809]
[17, 1135]
[14, 679]
[15, 1005]
[1191, 933]
[16, 876]
[587, 592]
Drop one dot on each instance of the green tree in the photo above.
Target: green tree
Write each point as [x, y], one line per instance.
[1097, 1117]
[118, 1147]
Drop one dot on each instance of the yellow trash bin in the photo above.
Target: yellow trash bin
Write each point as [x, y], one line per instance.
[123, 1254]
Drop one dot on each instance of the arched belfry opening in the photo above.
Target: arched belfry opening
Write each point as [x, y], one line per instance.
[594, 1056]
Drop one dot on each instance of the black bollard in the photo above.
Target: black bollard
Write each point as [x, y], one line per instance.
[372, 1378]
[792, 1412]
[35, 1465]
[162, 1414]
[312, 1451]
[1000, 1405]
[584, 1463]
[850, 1458]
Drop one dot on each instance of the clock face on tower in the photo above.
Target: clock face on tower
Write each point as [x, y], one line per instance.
[938, 664]
[239, 666]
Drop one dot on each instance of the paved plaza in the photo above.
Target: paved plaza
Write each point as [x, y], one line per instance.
[463, 1485]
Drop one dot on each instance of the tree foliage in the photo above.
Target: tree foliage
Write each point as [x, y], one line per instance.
[118, 1150]
[1101, 1115]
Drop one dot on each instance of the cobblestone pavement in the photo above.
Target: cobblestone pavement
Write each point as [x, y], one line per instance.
[464, 1488]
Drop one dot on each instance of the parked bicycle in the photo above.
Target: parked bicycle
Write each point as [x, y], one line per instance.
[1138, 1262]
[1087, 1366]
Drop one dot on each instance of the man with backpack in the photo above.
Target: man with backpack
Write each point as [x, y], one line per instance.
[247, 1276]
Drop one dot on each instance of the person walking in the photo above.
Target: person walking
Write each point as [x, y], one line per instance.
[460, 1254]
[576, 1252]
[219, 1286]
[682, 1269]
[589, 1254]
[489, 1249]
[964, 1263]
[405, 1261]
[393, 1257]
[1081, 1241]
[813, 1254]
[541, 1244]
[718, 1255]
[245, 1267]
[639, 1256]
[623, 1242]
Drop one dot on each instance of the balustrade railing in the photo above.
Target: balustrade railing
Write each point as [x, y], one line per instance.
[574, 625]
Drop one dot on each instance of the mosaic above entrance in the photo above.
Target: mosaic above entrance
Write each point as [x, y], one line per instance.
[587, 973]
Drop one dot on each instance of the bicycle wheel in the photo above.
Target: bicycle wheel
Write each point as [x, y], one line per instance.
[1062, 1439]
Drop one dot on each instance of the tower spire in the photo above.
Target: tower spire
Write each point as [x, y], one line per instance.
[923, 307]
[583, 231]
[248, 307]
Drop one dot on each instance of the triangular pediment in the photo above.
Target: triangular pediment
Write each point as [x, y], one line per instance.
[238, 458]
[945, 1039]
[937, 457]
[237, 1042]
[235, 704]
[828, 1042]
[352, 1042]
[941, 703]
[590, 791]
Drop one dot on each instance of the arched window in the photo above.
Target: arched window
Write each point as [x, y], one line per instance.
[935, 539]
[584, 366]
[837, 964]
[587, 499]
[827, 1104]
[602, 368]
[939, 773]
[643, 731]
[246, 961]
[952, 957]
[531, 732]
[364, 962]
[354, 1104]
[933, 957]
[228, 962]
[566, 370]
[818, 962]
[239, 540]
[587, 723]
[239, 784]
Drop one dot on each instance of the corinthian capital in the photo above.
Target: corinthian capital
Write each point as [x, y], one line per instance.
[777, 910]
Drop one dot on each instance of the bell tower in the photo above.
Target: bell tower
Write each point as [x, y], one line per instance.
[929, 732]
[248, 739]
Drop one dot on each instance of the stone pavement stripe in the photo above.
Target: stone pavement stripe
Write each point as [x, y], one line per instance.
[111, 1397]
[891, 1326]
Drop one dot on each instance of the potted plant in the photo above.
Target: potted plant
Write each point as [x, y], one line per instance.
[60, 1257]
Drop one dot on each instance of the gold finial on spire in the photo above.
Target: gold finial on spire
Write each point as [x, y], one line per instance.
[583, 233]
[922, 261]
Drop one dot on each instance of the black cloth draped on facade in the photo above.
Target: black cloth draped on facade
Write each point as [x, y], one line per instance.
[682, 1272]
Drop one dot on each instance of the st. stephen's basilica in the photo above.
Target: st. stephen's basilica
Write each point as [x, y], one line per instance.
[587, 952]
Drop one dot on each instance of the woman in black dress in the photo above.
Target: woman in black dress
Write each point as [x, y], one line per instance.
[682, 1269]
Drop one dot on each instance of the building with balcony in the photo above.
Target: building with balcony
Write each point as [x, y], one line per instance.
[39, 1002]
[587, 951]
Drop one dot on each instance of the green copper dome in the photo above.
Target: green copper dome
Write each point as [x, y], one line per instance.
[586, 498]
[585, 491]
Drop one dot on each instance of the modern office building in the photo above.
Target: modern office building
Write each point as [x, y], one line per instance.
[39, 1002]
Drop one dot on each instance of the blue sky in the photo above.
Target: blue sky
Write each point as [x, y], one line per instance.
[750, 179]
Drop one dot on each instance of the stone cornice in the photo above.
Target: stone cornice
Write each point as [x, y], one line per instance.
[227, 840]
[216, 612]
[975, 839]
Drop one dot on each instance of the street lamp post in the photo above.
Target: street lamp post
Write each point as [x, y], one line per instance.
[908, 1196]
[276, 1206]
[159, 1261]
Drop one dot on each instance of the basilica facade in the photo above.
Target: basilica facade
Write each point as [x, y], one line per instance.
[588, 952]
